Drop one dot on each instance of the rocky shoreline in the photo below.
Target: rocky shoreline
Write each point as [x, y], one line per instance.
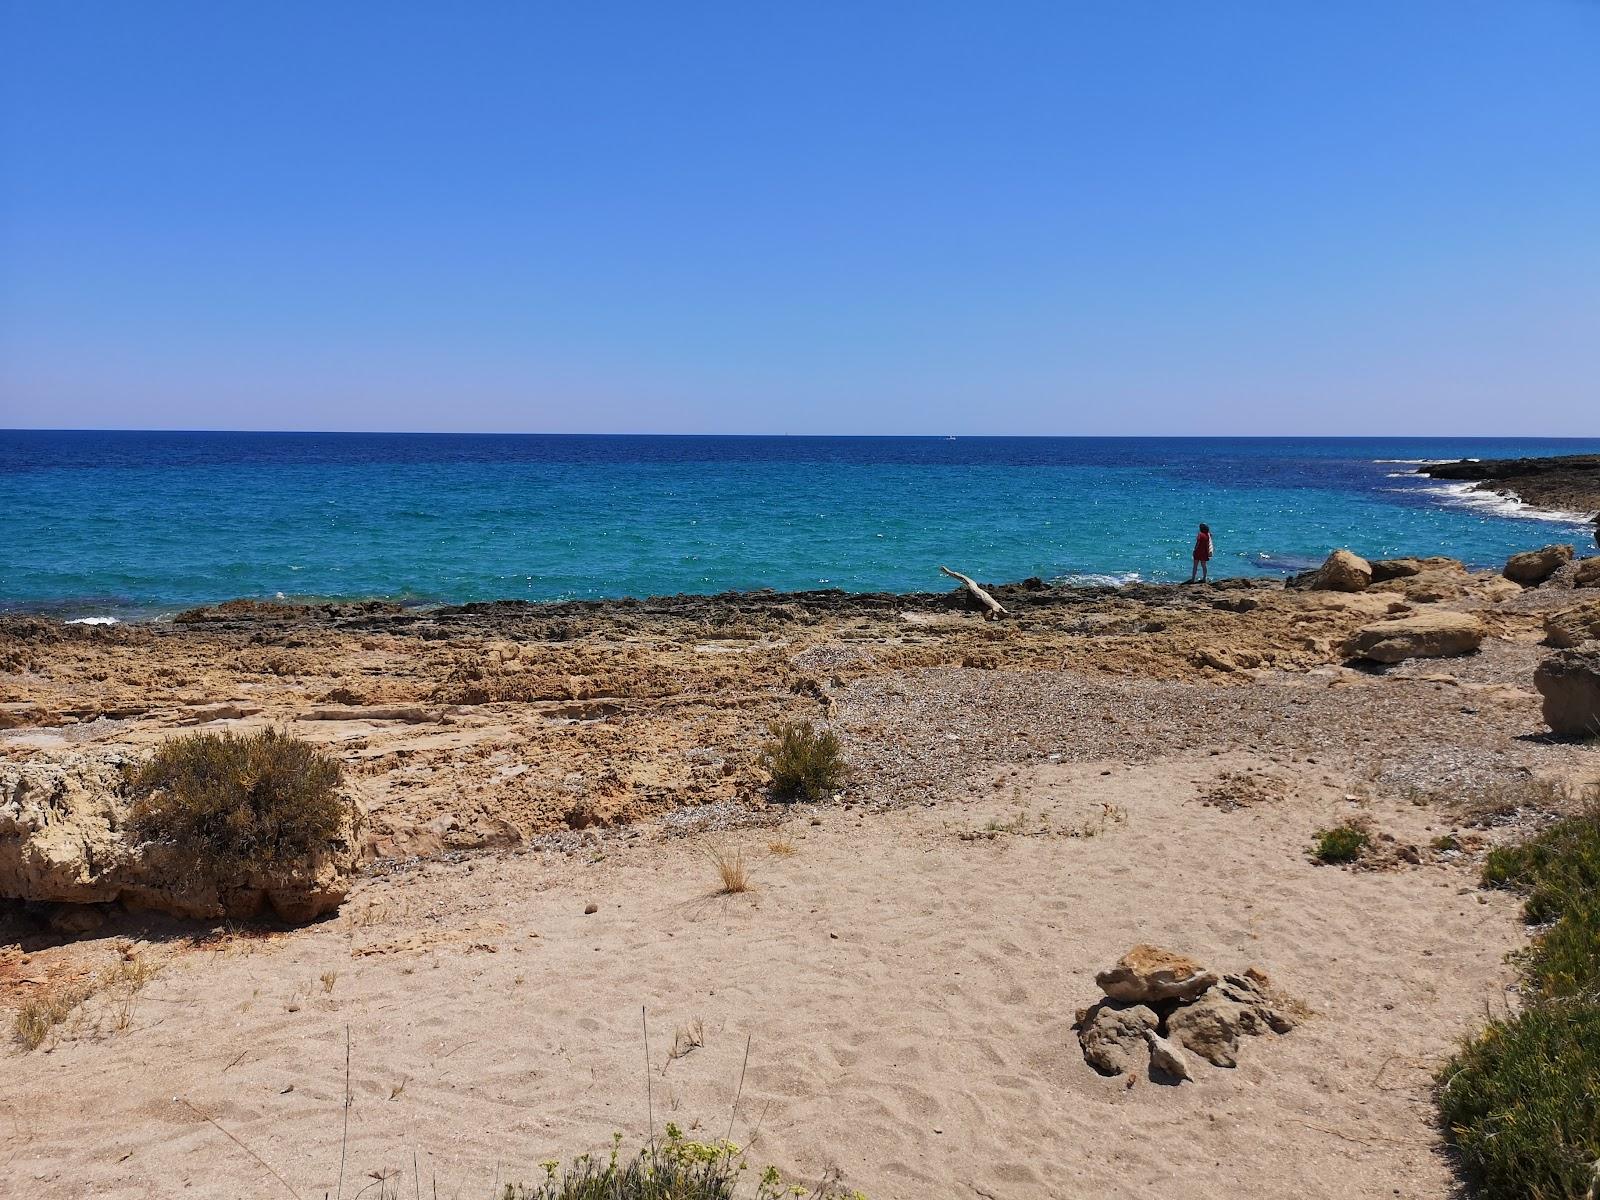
[489, 724]
[543, 791]
[1560, 483]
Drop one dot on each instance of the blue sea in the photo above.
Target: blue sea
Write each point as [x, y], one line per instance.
[127, 525]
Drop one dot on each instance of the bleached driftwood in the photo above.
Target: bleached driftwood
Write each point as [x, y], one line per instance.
[992, 607]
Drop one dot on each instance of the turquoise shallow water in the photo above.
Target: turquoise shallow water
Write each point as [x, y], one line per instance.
[135, 524]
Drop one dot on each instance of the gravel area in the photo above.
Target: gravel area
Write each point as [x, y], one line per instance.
[924, 734]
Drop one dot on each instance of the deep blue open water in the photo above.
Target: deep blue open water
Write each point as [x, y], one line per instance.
[132, 524]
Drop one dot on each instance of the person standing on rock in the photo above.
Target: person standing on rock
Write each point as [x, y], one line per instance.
[1202, 555]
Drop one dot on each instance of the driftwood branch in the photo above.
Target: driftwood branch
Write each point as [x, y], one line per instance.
[992, 607]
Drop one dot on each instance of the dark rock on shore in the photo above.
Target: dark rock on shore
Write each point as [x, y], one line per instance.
[1570, 684]
[278, 610]
[1535, 566]
[1564, 483]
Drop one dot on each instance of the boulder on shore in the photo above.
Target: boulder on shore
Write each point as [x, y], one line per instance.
[1341, 572]
[1588, 574]
[65, 837]
[1535, 566]
[1148, 975]
[1425, 635]
[1573, 626]
[1570, 684]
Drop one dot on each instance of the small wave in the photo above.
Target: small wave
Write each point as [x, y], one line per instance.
[1421, 462]
[1094, 579]
[1467, 495]
[92, 621]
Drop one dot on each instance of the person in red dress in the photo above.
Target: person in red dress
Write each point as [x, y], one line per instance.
[1202, 555]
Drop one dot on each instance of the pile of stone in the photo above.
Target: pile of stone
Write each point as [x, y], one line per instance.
[1159, 1004]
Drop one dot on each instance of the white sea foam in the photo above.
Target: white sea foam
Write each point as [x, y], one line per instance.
[1422, 462]
[1467, 495]
[93, 621]
[1090, 579]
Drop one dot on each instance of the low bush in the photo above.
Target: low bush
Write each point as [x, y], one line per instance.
[1521, 1098]
[676, 1169]
[237, 804]
[1341, 844]
[804, 763]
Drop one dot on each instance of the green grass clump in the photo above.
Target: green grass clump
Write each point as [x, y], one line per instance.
[237, 804]
[803, 762]
[1522, 1098]
[1341, 844]
[1522, 1105]
[674, 1169]
[1556, 868]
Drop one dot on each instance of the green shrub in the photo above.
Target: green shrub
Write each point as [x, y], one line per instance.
[1522, 1098]
[1556, 867]
[1341, 844]
[676, 1169]
[803, 762]
[1522, 1104]
[1559, 869]
[237, 804]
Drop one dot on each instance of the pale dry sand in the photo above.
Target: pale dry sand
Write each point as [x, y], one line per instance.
[908, 995]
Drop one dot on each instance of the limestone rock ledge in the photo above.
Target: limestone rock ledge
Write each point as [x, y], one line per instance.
[64, 838]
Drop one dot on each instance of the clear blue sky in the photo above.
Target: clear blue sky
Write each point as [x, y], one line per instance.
[1121, 216]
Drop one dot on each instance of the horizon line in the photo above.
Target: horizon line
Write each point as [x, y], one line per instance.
[1198, 437]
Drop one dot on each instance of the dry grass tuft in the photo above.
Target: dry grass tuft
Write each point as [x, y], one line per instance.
[685, 1040]
[1500, 801]
[1022, 823]
[733, 877]
[56, 1002]
[122, 985]
[781, 846]
[1505, 800]
[39, 1015]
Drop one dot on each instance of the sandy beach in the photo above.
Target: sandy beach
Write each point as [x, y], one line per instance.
[1029, 798]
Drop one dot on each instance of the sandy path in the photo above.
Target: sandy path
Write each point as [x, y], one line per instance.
[909, 996]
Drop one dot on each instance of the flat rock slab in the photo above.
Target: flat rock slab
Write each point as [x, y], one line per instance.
[1427, 635]
[1148, 974]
